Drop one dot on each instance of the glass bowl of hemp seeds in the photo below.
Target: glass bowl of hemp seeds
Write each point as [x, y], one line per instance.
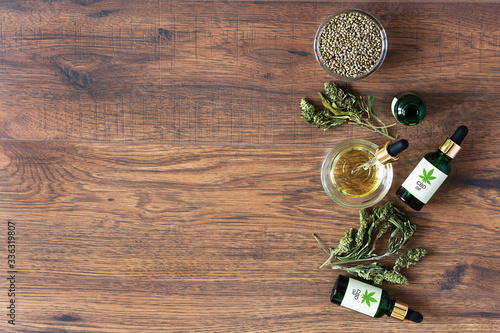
[350, 45]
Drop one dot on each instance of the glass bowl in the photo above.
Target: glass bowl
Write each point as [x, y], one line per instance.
[341, 46]
[361, 189]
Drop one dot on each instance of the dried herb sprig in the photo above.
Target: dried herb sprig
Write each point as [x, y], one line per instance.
[377, 273]
[340, 106]
[359, 245]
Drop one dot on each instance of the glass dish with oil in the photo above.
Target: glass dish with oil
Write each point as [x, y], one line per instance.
[348, 187]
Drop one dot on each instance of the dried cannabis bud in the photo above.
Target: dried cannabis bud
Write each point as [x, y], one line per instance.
[340, 106]
[411, 257]
[359, 245]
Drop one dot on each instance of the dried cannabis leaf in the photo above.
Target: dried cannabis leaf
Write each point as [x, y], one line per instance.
[359, 245]
[340, 106]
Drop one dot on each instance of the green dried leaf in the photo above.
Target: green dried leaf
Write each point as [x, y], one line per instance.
[341, 105]
[359, 245]
[370, 100]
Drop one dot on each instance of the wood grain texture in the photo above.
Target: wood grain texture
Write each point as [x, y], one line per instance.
[154, 162]
[215, 72]
[151, 237]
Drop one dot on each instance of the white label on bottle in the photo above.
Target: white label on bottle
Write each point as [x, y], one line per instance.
[362, 297]
[424, 181]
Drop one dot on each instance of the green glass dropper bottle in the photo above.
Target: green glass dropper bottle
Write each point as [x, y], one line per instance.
[431, 172]
[370, 300]
[408, 109]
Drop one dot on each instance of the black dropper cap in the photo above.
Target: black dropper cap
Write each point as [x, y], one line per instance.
[414, 316]
[459, 135]
[397, 147]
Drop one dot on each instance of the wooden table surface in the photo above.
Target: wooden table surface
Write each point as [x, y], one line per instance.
[158, 177]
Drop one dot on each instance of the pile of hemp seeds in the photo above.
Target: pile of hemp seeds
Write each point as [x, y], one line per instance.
[350, 44]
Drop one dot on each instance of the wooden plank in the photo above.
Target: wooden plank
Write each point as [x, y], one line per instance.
[157, 238]
[229, 72]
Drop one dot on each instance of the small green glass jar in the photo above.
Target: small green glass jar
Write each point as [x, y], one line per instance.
[408, 109]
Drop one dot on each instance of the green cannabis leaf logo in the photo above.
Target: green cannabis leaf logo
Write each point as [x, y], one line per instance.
[368, 298]
[427, 176]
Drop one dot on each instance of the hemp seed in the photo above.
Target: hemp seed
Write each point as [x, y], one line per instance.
[350, 44]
